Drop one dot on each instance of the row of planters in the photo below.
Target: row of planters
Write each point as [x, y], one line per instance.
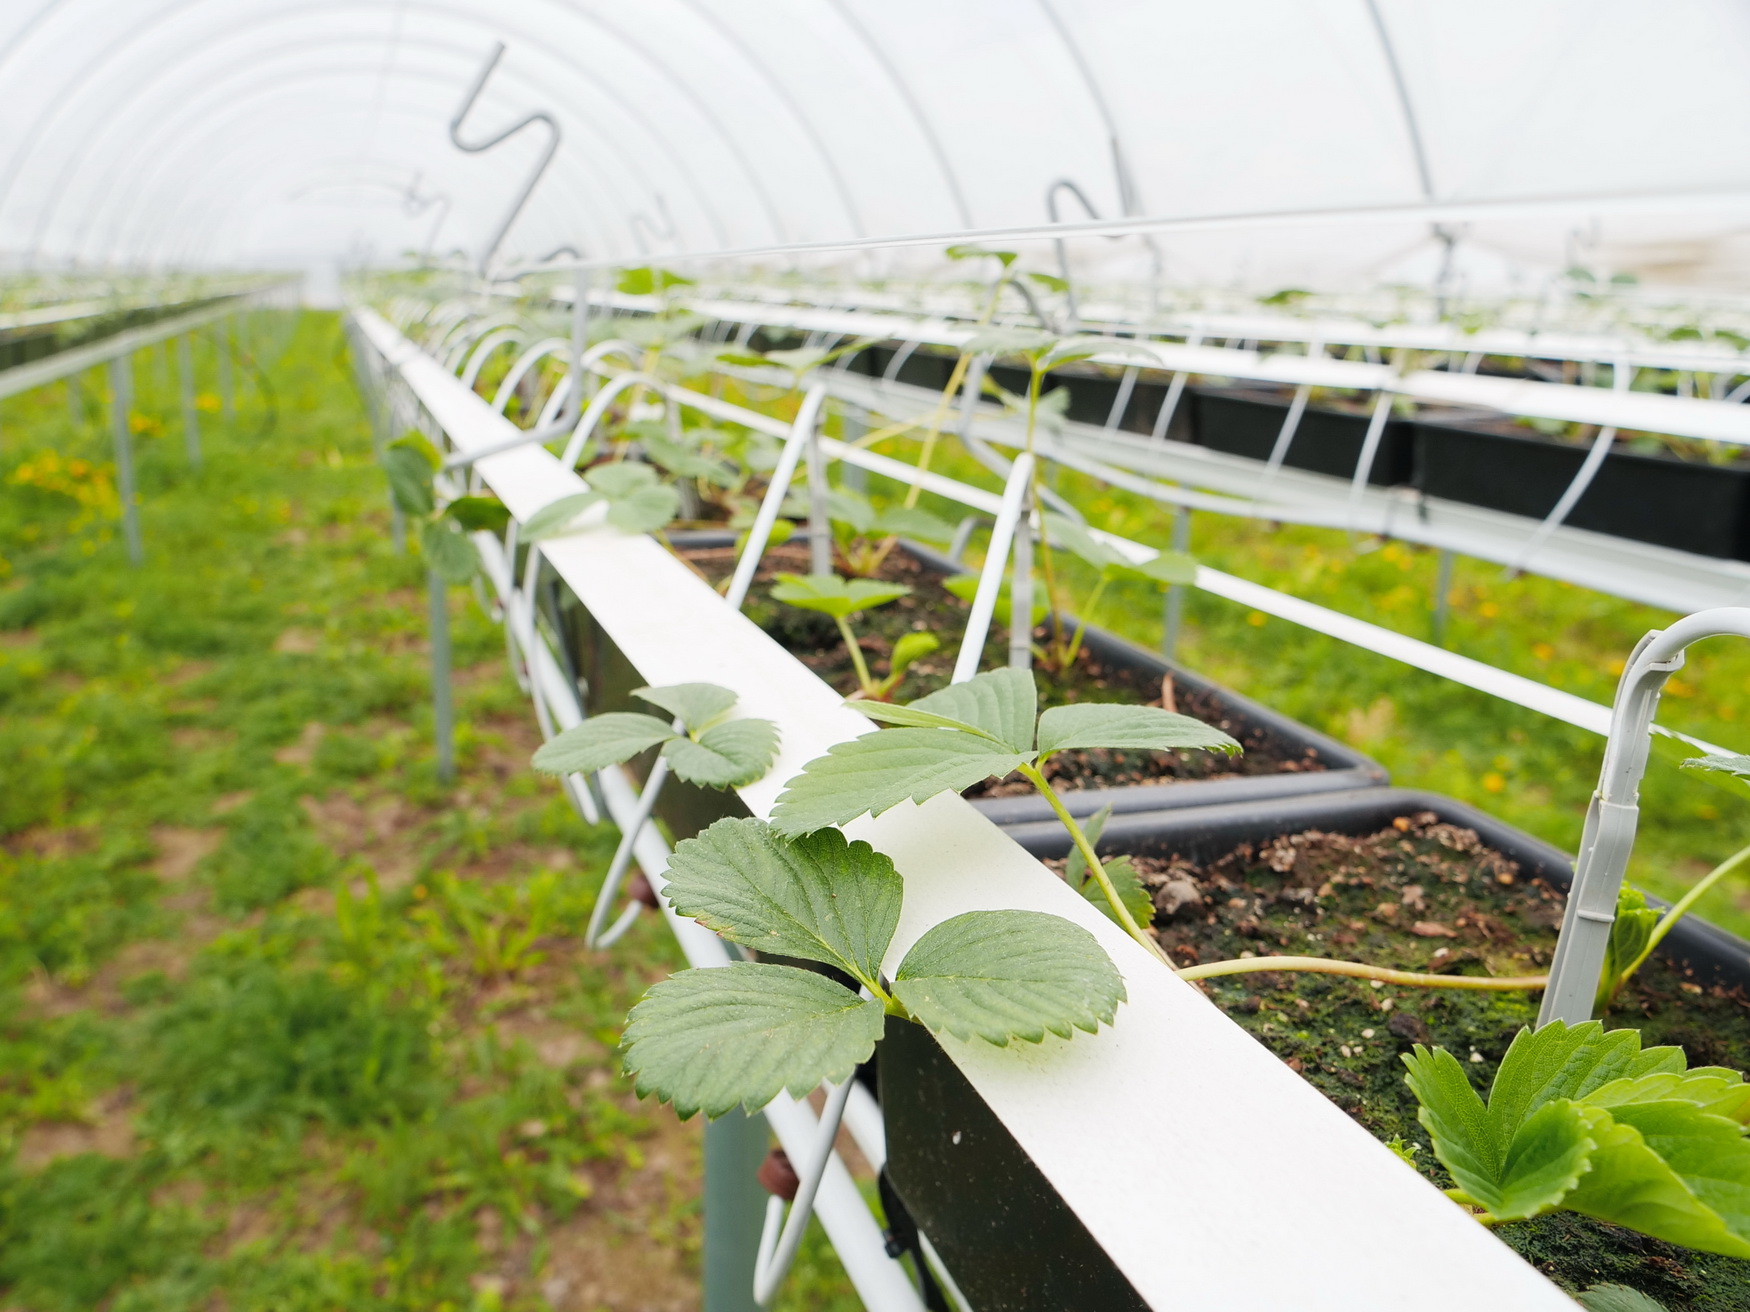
[1355, 930]
[1471, 457]
[1291, 848]
[22, 346]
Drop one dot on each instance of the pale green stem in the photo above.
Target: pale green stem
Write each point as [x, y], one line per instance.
[1360, 970]
[1045, 562]
[1681, 908]
[1075, 644]
[1095, 869]
[864, 682]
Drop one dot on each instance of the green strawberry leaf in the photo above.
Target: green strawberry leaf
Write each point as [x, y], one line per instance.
[880, 770]
[1629, 934]
[1721, 763]
[448, 552]
[1104, 724]
[1075, 868]
[1657, 1168]
[1712, 1088]
[1163, 567]
[852, 510]
[682, 463]
[708, 1040]
[820, 898]
[1064, 533]
[479, 514]
[1006, 975]
[831, 595]
[1618, 1298]
[1457, 1122]
[1003, 703]
[1008, 341]
[1083, 348]
[601, 741]
[698, 706]
[1130, 888]
[645, 509]
[726, 755]
[409, 474]
[909, 649]
[556, 516]
[912, 718]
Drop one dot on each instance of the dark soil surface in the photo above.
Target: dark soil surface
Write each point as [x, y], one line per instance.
[1428, 896]
[930, 608]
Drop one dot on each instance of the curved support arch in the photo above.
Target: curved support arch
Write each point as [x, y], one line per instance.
[479, 145]
[526, 361]
[599, 406]
[463, 345]
[483, 349]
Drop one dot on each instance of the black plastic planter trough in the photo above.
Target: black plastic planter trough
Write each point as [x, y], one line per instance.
[1011, 1241]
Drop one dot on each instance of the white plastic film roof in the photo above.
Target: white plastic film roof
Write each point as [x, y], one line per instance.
[200, 132]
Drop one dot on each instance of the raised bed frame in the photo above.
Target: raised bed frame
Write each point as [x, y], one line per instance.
[1250, 1192]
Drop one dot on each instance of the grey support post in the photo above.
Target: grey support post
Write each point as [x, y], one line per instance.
[227, 392]
[191, 428]
[121, 402]
[735, 1209]
[1175, 606]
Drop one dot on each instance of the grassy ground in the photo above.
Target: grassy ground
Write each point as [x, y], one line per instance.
[284, 1023]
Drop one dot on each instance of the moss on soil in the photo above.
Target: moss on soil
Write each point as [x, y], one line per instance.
[1429, 896]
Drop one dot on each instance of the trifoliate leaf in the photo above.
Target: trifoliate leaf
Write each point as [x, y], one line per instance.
[1130, 889]
[1006, 975]
[450, 554]
[645, 280]
[966, 251]
[1050, 281]
[696, 705]
[707, 1040]
[820, 897]
[620, 478]
[557, 515]
[831, 595]
[1567, 1061]
[479, 514]
[409, 475]
[1145, 728]
[880, 770]
[1004, 703]
[726, 755]
[912, 718]
[601, 741]
[1618, 1298]
[913, 522]
[910, 648]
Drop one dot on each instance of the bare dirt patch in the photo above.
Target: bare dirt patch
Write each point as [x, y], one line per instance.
[181, 850]
[298, 642]
[109, 1132]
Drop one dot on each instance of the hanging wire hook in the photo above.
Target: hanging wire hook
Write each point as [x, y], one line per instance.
[487, 143]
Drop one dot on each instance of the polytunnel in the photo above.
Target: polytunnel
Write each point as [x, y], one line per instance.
[821, 655]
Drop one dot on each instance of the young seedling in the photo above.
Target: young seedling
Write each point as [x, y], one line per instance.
[411, 464]
[1164, 569]
[702, 745]
[828, 594]
[709, 1040]
[858, 525]
[1638, 929]
[1583, 1120]
[989, 726]
[638, 501]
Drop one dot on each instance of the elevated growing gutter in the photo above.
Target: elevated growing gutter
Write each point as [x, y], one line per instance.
[1213, 1176]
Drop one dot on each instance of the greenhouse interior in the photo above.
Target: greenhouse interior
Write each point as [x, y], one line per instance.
[855, 654]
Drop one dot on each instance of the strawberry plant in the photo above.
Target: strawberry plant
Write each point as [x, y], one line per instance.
[989, 726]
[411, 464]
[708, 1040]
[702, 744]
[828, 594]
[862, 530]
[637, 501]
[1582, 1119]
